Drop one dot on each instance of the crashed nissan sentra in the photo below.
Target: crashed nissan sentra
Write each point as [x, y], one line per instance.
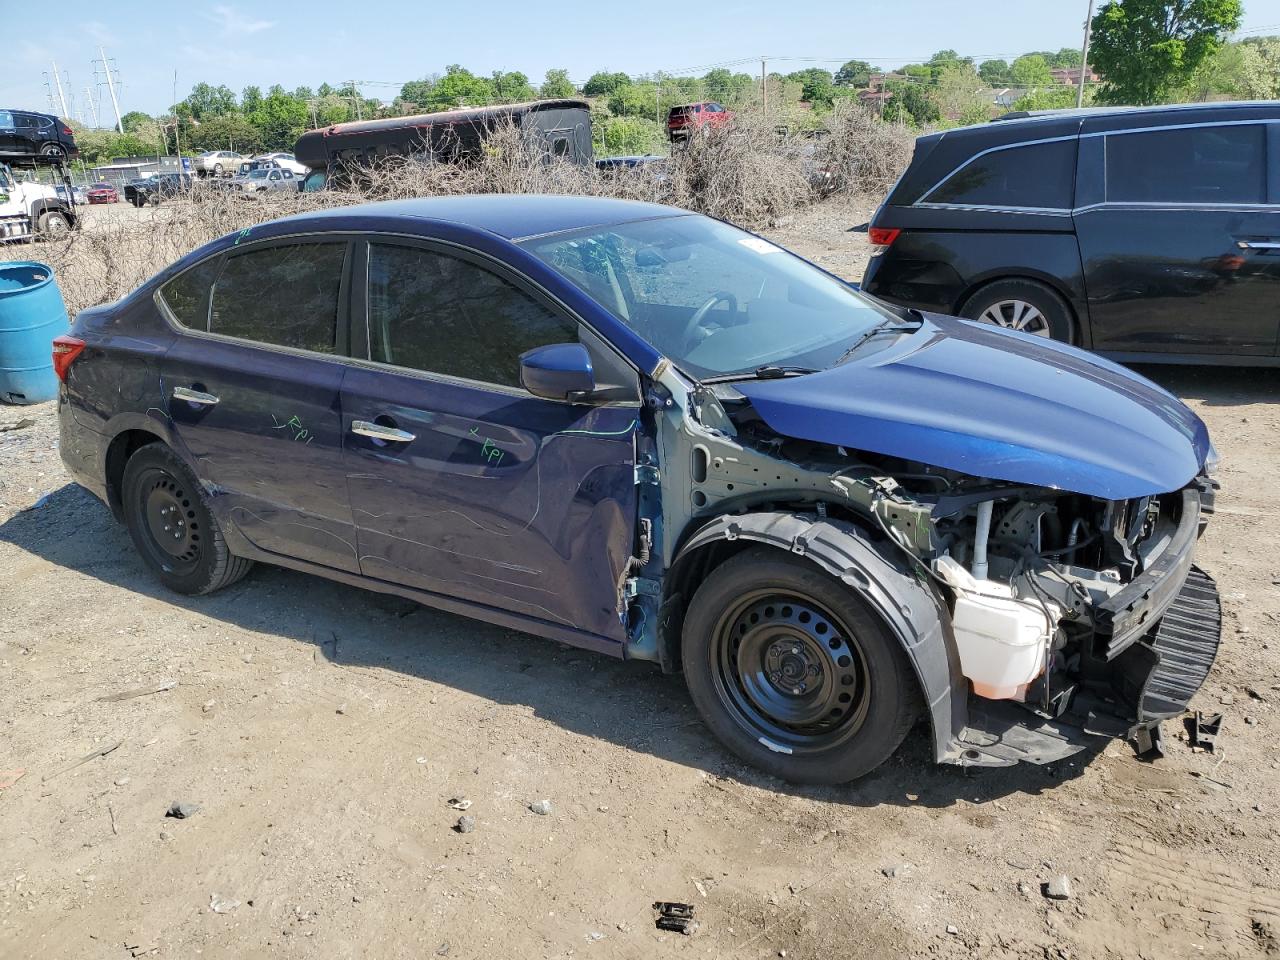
[647, 433]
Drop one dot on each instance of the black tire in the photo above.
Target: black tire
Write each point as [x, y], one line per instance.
[160, 496]
[994, 304]
[759, 624]
[217, 169]
[53, 223]
[52, 150]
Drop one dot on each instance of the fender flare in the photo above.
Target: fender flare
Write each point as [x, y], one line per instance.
[913, 610]
[46, 204]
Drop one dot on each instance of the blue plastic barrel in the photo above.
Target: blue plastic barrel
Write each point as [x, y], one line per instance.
[31, 315]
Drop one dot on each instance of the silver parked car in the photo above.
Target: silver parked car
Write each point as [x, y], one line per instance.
[217, 162]
[263, 180]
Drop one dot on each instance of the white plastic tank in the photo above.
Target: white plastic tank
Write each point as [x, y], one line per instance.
[1003, 641]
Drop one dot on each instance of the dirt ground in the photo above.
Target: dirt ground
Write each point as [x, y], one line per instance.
[323, 730]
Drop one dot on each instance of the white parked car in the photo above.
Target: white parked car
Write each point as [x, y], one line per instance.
[285, 161]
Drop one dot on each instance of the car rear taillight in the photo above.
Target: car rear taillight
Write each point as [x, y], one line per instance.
[65, 351]
[882, 237]
[66, 130]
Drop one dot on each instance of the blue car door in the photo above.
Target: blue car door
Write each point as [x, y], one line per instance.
[251, 386]
[464, 484]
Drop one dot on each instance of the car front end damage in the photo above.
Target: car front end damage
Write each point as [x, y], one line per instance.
[1037, 618]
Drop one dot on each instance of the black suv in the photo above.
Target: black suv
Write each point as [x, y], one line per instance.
[152, 190]
[1146, 234]
[26, 134]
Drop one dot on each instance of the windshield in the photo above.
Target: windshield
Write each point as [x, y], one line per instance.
[715, 300]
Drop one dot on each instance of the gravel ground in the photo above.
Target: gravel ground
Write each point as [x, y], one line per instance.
[323, 730]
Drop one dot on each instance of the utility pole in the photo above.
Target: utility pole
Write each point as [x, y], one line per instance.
[93, 107]
[355, 95]
[61, 97]
[111, 87]
[657, 98]
[177, 122]
[764, 90]
[1084, 56]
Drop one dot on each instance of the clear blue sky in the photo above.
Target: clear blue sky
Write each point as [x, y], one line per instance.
[391, 41]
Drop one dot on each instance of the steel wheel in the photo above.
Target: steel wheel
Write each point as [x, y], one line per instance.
[1017, 315]
[790, 672]
[172, 527]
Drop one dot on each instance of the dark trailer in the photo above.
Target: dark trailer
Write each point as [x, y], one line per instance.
[451, 136]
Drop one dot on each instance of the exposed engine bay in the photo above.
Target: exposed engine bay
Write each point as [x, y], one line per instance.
[1050, 593]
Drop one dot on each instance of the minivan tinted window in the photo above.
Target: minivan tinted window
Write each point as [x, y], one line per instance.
[1223, 164]
[285, 295]
[1036, 175]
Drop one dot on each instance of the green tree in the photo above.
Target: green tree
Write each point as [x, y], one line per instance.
[134, 119]
[206, 101]
[1030, 70]
[1056, 97]
[855, 73]
[960, 94]
[629, 135]
[1146, 49]
[416, 92]
[303, 93]
[816, 85]
[250, 99]
[635, 100]
[512, 87]
[231, 131]
[556, 85]
[1066, 58]
[280, 119]
[459, 87]
[603, 84]
[725, 87]
[994, 73]
[911, 104]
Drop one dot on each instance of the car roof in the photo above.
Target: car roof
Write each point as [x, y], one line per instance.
[511, 216]
[938, 154]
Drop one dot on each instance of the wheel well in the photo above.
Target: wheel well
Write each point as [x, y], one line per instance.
[124, 446]
[981, 285]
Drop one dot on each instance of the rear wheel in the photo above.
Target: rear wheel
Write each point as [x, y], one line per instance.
[170, 523]
[52, 150]
[793, 671]
[1022, 305]
[217, 169]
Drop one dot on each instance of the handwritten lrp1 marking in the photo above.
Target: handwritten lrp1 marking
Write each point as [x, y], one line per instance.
[490, 450]
[294, 425]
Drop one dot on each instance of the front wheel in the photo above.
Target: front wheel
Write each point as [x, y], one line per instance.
[170, 523]
[53, 223]
[794, 672]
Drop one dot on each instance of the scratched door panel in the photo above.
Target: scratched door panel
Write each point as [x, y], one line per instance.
[501, 499]
[270, 449]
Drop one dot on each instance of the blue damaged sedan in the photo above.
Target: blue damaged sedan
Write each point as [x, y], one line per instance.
[650, 434]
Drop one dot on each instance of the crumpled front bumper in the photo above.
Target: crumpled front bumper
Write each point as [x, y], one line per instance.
[1156, 643]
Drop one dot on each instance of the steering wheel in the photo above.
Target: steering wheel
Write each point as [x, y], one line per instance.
[701, 313]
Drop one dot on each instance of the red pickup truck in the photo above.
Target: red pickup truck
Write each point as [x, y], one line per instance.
[685, 120]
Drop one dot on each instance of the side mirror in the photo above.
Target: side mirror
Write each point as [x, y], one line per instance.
[558, 371]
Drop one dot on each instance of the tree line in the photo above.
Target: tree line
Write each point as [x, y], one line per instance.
[1146, 51]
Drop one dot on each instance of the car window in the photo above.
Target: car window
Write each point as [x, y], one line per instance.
[1036, 175]
[283, 295]
[275, 175]
[26, 121]
[6, 119]
[187, 294]
[1225, 164]
[437, 313]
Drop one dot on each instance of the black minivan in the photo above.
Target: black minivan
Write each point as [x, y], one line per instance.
[1146, 234]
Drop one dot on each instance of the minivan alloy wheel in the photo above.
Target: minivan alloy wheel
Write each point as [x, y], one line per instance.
[1017, 315]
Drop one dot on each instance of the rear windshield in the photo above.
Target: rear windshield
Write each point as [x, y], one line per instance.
[1035, 175]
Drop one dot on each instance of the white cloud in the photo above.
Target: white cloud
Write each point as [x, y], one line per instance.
[99, 32]
[233, 22]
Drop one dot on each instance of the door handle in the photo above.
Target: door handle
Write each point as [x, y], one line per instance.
[1258, 244]
[194, 396]
[378, 432]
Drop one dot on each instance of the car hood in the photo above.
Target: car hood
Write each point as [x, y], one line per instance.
[997, 404]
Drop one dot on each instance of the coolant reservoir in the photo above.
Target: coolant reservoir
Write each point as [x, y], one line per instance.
[1003, 641]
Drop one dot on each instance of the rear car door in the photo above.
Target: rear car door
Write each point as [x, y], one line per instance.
[1180, 239]
[8, 133]
[252, 384]
[464, 484]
